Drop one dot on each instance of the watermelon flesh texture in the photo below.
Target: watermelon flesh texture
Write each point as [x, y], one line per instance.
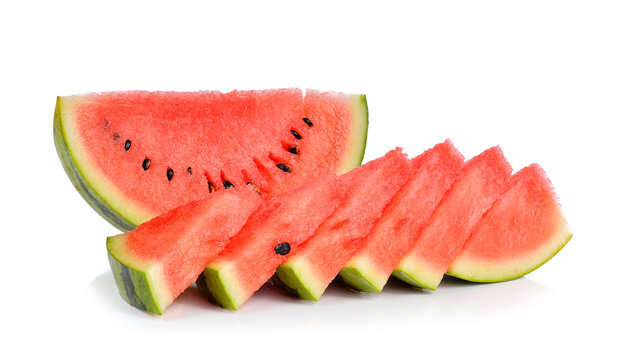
[158, 260]
[522, 230]
[134, 155]
[367, 189]
[478, 185]
[251, 259]
[396, 231]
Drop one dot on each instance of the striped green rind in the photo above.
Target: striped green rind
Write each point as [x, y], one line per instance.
[358, 136]
[218, 284]
[299, 281]
[482, 271]
[417, 273]
[362, 275]
[75, 173]
[139, 284]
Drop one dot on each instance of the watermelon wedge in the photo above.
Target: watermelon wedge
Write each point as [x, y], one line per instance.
[522, 230]
[478, 185]
[368, 189]
[270, 235]
[158, 260]
[396, 231]
[134, 155]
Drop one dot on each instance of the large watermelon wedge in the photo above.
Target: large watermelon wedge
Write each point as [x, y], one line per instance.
[134, 155]
[522, 230]
[155, 262]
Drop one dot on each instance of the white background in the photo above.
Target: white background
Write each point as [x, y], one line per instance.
[550, 81]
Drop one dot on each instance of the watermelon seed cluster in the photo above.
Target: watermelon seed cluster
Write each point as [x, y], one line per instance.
[293, 149]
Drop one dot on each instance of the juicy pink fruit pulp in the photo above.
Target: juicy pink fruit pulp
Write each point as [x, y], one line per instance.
[211, 140]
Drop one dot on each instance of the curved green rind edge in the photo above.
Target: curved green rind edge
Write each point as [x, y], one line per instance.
[78, 179]
[358, 280]
[134, 285]
[361, 124]
[420, 278]
[292, 279]
[477, 276]
[213, 286]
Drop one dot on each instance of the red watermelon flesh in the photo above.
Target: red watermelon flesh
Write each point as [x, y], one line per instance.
[396, 231]
[134, 155]
[478, 185]
[367, 189]
[271, 234]
[158, 260]
[522, 230]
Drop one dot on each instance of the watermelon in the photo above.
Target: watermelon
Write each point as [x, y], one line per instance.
[135, 155]
[271, 234]
[367, 190]
[478, 185]
[395, 232]
[522, 230]
[158, 260]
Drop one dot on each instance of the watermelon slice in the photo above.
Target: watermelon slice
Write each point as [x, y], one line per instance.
[479, 183]
[135, 155]
[522, 230]
[395, 232]
[158, 260]
[270, 235]
[368, 189]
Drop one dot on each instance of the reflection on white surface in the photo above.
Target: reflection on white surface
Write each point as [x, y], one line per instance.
[398, 304]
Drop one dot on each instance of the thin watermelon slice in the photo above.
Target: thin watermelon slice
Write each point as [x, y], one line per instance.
[157, 261]
[396, 231]
[135, 155]
[368, 189]
[522, 230]
[478, 185]
[270, 235]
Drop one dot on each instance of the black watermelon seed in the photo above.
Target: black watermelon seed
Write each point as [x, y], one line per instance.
[284, 167]
[211, 187]
[294, 150]
[307, 121]
[227, 184]
[170, 174]
[128, 143]
[146, 163]
[296, 134]
[189, 170]
[282, 249]
[115, 137]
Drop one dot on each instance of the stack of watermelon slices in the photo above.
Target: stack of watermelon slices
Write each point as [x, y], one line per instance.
[292, 212]
[417, 219]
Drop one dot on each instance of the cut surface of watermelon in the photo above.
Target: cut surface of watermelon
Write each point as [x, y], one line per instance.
[134, 155]
[158, 260]
[271, 234]
[396, 231]
[367, 189]
[522, 230]
[478, 185]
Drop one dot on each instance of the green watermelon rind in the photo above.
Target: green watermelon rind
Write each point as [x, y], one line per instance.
[361, 274]
[79, 180]
[138, 283]
[487, 273]
[216, 284]
[125, 216]
[417, 273]
[295, 281]
[360, 123]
